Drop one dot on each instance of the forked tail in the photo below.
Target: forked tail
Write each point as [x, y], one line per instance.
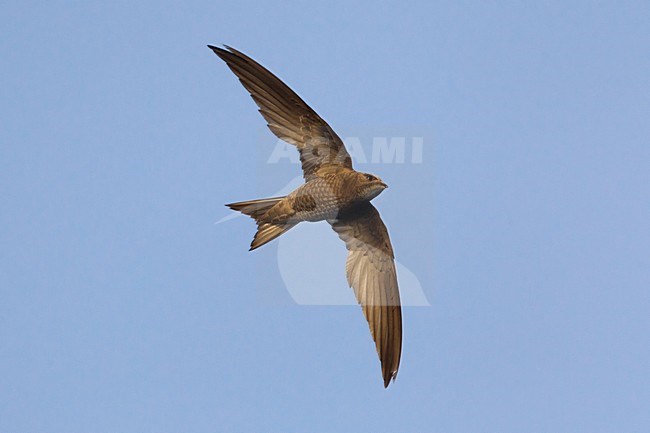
[256, 209]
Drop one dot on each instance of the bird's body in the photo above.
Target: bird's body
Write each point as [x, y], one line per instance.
[322, 197]
[330, 192]
[334, 192]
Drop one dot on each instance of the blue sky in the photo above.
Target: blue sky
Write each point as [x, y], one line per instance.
[124, 308]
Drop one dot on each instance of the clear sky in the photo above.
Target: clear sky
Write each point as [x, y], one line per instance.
[125, 308]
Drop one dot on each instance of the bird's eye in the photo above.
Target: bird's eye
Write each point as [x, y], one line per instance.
[370, 177]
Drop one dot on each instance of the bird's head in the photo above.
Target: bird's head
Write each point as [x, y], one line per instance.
[369, 186]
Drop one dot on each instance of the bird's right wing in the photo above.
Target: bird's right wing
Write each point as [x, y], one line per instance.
[288, 116]
[370, 270]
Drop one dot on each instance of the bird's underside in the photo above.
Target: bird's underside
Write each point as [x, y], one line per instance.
[333, 191]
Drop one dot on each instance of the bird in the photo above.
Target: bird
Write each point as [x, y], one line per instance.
[332, 191]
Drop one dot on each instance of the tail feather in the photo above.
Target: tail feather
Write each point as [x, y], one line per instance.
[266, 232]
[256, 209]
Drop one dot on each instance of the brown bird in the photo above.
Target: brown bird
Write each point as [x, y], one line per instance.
[334, 192]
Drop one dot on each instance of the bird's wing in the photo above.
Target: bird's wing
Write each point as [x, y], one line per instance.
[288, 116]
[370, 270]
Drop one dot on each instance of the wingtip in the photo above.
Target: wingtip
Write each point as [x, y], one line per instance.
[219, 51]
[389, 378]
[228, 51]
[225, 48]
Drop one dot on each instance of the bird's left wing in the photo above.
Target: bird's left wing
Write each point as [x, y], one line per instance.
[287, 115]
[370, 270]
